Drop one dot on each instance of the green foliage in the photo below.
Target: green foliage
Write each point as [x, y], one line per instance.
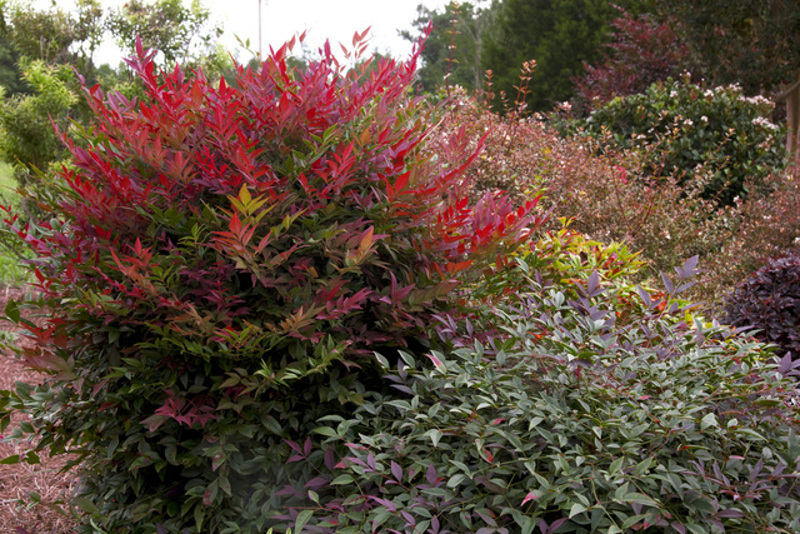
[559, 35]
[454, 46]
[218, 265]
[571, 420]
[10, 75]
[54, 36]
[749, 42]
[27, 137]
[692, 131]
[180, 33]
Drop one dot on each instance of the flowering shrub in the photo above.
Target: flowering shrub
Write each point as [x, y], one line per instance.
[218, 268]
[570, 421]
[693, 130]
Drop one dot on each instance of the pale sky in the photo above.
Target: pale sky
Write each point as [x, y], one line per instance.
[336, 20]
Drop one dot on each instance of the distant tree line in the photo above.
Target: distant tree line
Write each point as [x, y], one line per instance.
[587, 49]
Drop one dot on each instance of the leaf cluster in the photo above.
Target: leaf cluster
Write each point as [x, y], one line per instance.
[768, 301]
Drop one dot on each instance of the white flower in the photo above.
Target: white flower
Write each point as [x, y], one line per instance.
[704, 118]
[764, 123]
[688, 122]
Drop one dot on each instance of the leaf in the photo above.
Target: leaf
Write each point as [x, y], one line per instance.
[10, 460]
[302, 519]
[12, 311]
[325, 431]
[455, 480]
[577, 508]
[708, 421]
[639, 498]
[435, 435]
[342, 480]
[86, 505]
[397, 471]
[433, 356]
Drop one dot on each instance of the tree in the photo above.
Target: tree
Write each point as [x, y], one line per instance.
[53, 35]
[181, 34]
[559, 34]
[755, 43]
[642, 52]
[10, 75]
[453, 50]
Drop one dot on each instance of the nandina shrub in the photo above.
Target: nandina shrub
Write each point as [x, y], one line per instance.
[769, 302]
[570, 420]
[219, 266]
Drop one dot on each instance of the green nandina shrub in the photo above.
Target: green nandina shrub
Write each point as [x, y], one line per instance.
[695, 130]
[219, 266]
[569, 421]
[769, 301]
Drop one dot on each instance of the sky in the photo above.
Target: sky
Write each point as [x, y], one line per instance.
[336, 20]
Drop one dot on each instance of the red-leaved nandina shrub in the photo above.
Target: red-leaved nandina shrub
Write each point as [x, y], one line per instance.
[217, 268]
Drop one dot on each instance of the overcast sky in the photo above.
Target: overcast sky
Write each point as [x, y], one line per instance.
[336, 20]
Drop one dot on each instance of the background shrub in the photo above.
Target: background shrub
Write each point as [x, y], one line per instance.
[769, 301]
[216, 270]
[694, 129]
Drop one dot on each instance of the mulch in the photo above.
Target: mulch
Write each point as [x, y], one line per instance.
[18, 513]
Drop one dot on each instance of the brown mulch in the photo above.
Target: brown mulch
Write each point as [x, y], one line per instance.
[18, 515]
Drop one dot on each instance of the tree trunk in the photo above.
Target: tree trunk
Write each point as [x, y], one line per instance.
[793, 122]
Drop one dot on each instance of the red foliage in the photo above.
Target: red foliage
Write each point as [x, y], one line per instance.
[641, 53]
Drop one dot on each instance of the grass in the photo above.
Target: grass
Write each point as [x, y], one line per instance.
[12, 272]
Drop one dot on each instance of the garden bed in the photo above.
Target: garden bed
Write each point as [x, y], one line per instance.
[18, 481]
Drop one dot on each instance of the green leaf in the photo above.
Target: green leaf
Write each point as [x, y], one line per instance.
[435, 436]
[325, 431]
[455, 480]
[12, 311]
[10, 460]
[577, 508]
[709, 420]
[342, 480]
[85, 505]
[616, 465]
[273, 425]
[199, 516]
[302, 519]
[639, 498]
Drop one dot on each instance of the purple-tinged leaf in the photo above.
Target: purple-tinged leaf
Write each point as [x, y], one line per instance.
[732, 513]
[316, 483]
[330, 460]
[667, 284]
[397, 471]
[430, 475]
